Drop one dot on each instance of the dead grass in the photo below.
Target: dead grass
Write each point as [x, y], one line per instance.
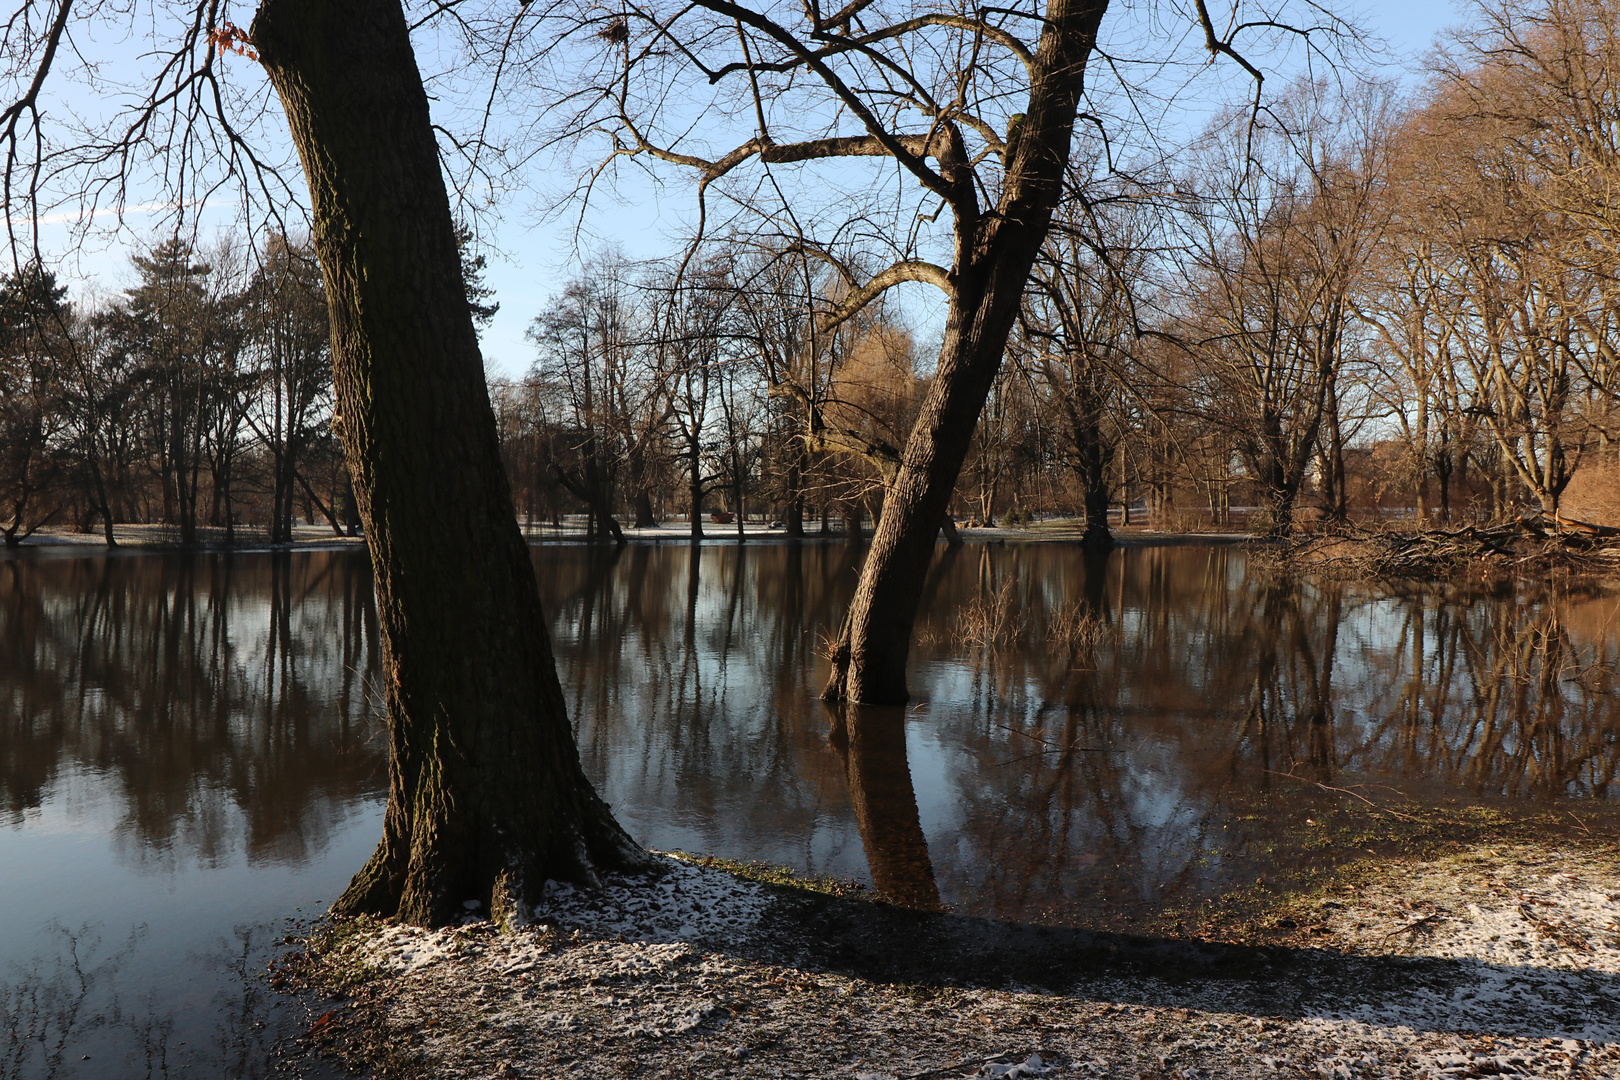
[992, 621]
[1079, 629]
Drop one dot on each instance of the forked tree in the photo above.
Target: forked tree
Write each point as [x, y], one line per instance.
[966, 117]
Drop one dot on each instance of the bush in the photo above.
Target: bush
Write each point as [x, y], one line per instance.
[1017, 519]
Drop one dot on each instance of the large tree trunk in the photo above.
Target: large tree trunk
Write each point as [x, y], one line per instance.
[486, 797]
[695, 489]
[995, 252]
[645, 518]
[869, 660]
[600, 519]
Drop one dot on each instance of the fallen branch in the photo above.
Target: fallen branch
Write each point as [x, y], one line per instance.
[1411, 926]
[1344, 791]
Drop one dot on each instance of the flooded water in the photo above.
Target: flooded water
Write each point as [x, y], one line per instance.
[189, 751]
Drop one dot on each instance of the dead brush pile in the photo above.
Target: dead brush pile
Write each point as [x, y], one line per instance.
[1531, 544]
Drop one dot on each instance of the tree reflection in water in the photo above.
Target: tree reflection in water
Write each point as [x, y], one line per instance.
[206, 689]
[1162, 760]
[182, 739]
[222, 705]
[872, 742]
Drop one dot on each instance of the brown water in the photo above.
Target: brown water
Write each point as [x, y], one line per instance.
[188, 750]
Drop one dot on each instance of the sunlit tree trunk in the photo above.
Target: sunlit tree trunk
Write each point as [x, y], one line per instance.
[486, 797]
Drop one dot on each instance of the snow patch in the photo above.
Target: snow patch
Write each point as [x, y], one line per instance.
[684, 903]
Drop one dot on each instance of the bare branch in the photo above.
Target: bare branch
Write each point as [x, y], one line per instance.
[880, 283]
[933, 145]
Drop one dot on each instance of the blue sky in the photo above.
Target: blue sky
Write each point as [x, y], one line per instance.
[530, 258]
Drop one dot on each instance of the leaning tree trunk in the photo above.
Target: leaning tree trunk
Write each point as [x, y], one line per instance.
[486, 797]
[995, 252]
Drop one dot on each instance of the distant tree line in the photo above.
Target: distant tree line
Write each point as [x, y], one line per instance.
[1346, 305]
[198, 397]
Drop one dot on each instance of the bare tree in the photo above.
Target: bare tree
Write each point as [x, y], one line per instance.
[969, 116]
[1078, 331]
[593, 349]
[288, 336]
[1278, 233]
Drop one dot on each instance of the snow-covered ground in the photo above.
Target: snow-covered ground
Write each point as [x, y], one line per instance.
[1514, 970]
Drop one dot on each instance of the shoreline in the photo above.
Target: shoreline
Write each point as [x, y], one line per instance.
[154, 539]
[1500, 959]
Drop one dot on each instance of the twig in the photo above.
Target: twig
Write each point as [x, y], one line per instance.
[1051, 747]
[1344, 791]
[966, 1063]
[1409, 927]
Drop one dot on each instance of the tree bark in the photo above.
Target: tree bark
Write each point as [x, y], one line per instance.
[994, 255]
[486, 797]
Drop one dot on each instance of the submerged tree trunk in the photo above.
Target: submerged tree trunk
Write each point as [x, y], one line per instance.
[486, 797]
[995, 250]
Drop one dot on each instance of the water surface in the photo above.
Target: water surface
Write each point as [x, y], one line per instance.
[189, 750]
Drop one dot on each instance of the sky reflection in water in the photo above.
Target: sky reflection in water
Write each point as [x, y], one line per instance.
[189, 743]
[1053, 774]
